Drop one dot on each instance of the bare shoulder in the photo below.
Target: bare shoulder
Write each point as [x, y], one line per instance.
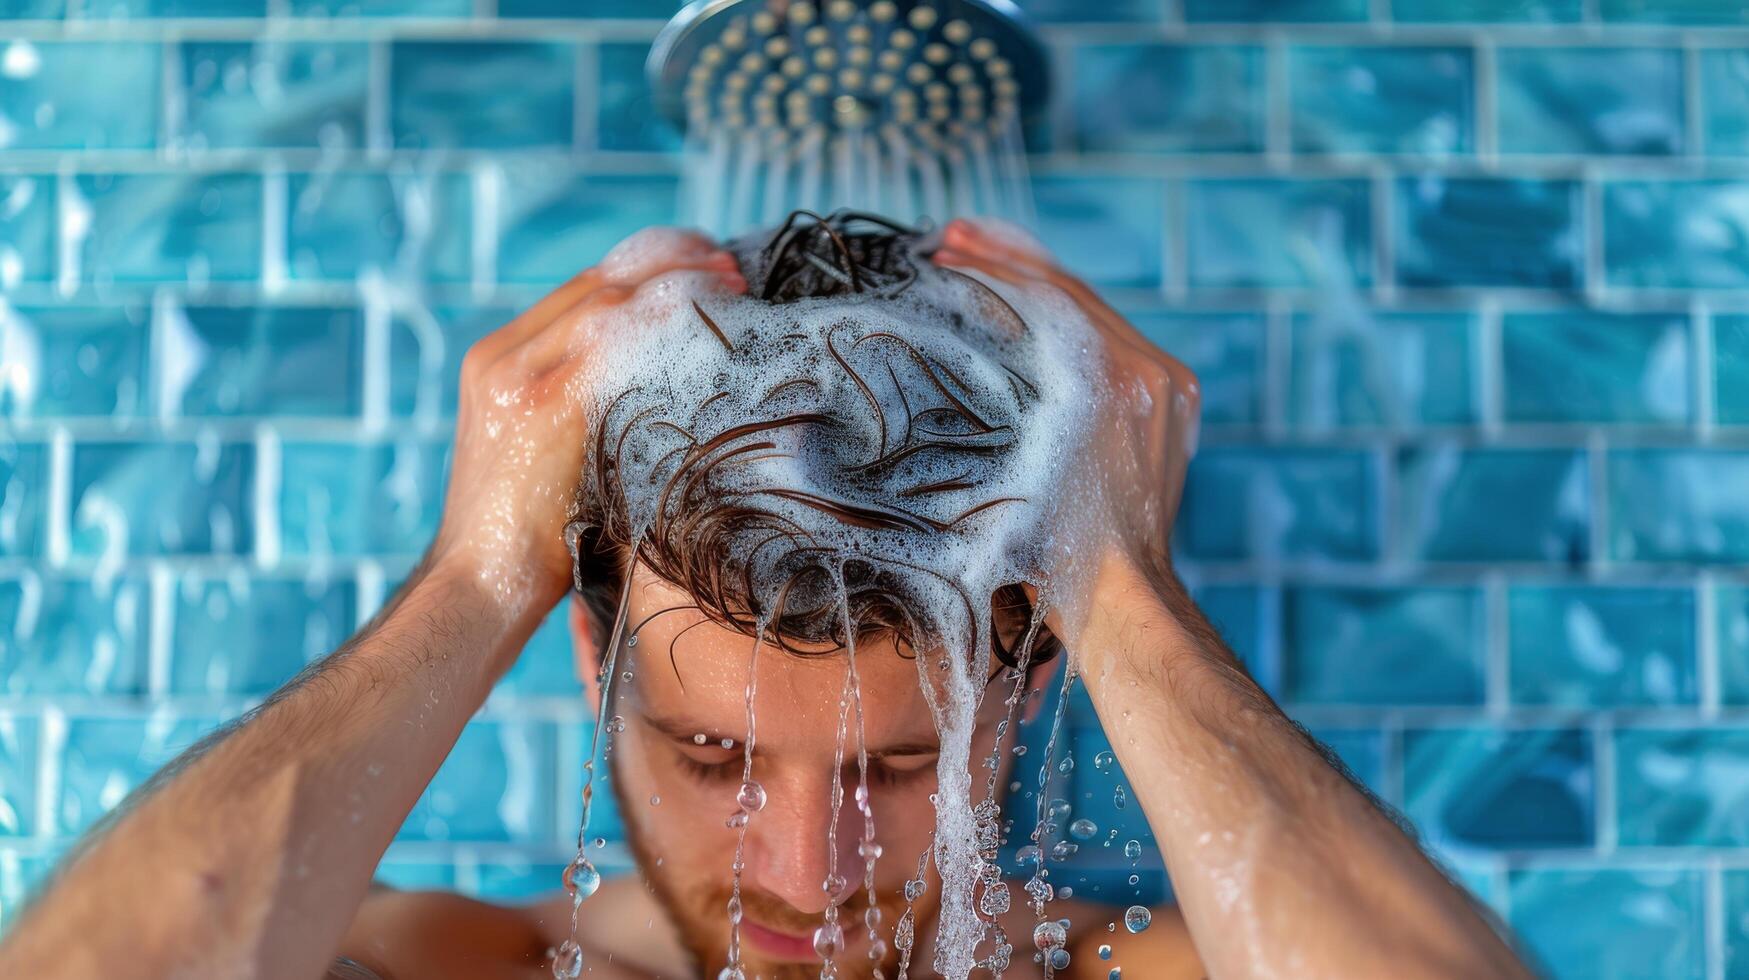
[431, 934]
[1162, 950]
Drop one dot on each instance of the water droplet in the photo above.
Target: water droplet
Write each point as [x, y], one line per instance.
[1062, 850]
[1115, 974]
[736, 820]
[599, 842]
[1066, 892]
[627, 677]
[995, 900]
[1020, 750]
[1135, 879]
[1050, 935]
[1083, 829]
[727, 743]
[1058, 809]
[1104, 761]
[914, 889]
[1119, 798]
[1027, 855]
[1067, 765]
[828, 940]
[731, 973]
[1104, 951]
[871, 917]
[1132, 849]
[1059, 958]
[581, 878]
[751, 798]
[833, 884]
[568, 961]
[700, 738]
[735, 908]
[869, 850]
[632, 640]
[655, 801]
[616, 724]
[1136, 918]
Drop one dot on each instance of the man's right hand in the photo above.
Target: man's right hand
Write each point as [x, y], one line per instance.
[520, 425]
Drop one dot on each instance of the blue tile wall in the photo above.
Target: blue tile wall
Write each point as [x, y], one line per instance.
[1602, 646]
[1382, 100]
[1596, 367]
[1591, 100]
[1464, 282]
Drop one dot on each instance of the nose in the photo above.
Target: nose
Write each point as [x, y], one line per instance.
[786, 852]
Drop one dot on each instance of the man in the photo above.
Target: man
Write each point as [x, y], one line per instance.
[251, 856]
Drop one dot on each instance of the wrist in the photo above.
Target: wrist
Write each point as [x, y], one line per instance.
[1143, 626]
[494, 605]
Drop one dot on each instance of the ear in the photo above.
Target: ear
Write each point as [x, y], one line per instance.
[586, 652]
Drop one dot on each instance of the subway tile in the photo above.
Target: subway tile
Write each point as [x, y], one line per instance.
[1678, 505]
[1258, 233]
[1584, 366]
[405, 226]
[24, 481]
[74, 636]
[1736, 924]
[496, 785]
[1382, 646]
[162, 498]
[1484, 11]
[261, 361]
[1487, 231]
[33, 10]
[106, 757]
[350, 499]
[1354, 368]
[27, 228]
[1275, 11]
[1697, 12]
[517, 880]
[1279, 503]
[482, 94]
[1494, 504]
[1676, 234]
[547, 665]
[74, 360]
[382, 8]
[1225, 350]
[554, 223]
[1372, 99]
[655, 9]
[1602, 646]
[1730, 631]
[1111, 230]
[1682, 787]
[1724, 100]
[273, 94]
[1731, 368]
[18, 774]
[105, 9]
[426, 347]
[238, 634]
[626, 116]
[1158, 98]
[1608, 922]
[1591, 101]
[415, 876]
[171, 227]
[50, 100]
[1491, 789]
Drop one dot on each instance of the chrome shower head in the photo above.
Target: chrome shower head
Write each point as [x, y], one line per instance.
[936, 69]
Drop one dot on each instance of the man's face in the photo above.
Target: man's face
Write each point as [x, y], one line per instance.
[683, 843]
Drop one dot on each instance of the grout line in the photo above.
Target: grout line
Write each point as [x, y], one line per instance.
[51, 748]
[1177, 258]
[1706, 635]
[375, 361]
[1603, 748]
[1597, 474]
[158, 646]
[60, 498]
[487, 187]
[1693, 102]
[1277, 368]
[1705, 372]
[586, 98]
[1486, 94]
[1382, 188]
[1490, 356]
[1277, 108]
[1594, 273]
[1713, 919]
[275, 228]
[173, 97]
[1497, 649]
[378, 137]
[268, 459]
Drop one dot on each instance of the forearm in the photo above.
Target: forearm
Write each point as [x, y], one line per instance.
[1280, 864]
[249, 856]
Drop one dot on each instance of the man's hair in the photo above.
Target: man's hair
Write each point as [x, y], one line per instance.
[705, 542]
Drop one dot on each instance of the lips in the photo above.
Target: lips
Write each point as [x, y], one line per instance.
[777, 945]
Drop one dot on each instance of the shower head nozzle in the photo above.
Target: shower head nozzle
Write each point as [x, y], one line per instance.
[793, 67]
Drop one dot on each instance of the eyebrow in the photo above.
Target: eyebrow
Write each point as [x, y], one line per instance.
[684, 733]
